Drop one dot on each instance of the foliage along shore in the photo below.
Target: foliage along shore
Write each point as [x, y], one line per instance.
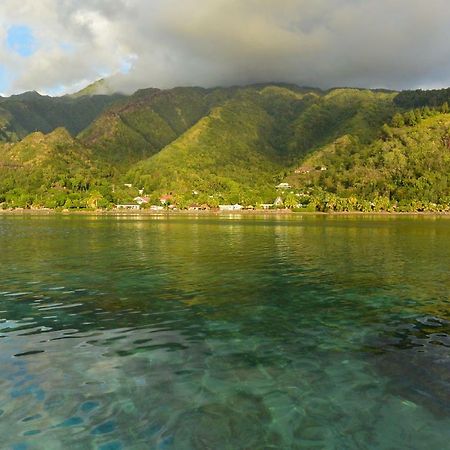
[341, 150]
[213, 213]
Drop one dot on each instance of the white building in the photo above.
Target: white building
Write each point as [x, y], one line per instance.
[230, 207]
[284, 186]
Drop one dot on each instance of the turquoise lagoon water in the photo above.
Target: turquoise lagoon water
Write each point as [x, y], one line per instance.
[224, 332]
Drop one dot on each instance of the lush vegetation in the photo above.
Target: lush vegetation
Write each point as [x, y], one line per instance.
[56, 171]
[407, 169]
[145, 123]
[419, 98]
[241, 150]
[339, 150]
[23, 114]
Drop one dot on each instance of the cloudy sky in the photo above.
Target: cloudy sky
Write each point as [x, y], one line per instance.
[58, 46]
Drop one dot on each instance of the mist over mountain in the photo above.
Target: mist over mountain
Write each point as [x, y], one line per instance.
[60, 46]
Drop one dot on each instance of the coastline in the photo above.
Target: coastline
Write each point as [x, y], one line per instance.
[149, 213]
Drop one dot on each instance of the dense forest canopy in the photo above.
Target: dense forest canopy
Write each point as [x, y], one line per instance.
[419, 98]
[337, 150]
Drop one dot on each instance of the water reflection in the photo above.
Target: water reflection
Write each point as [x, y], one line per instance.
[224, 332]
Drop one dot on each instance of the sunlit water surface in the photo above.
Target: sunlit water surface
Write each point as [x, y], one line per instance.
[224, 333]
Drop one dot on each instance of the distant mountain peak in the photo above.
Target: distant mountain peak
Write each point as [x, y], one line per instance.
[99, 87]
[29, 95]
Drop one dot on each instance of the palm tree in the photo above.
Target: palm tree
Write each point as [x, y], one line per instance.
[93, 199]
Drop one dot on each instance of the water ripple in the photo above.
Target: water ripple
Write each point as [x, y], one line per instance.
[224, 333]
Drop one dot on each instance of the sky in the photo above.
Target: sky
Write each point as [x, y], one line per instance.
[60, 46]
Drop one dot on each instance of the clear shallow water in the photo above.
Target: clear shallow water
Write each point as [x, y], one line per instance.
[224, 333]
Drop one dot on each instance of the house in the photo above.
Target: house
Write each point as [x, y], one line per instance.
[156, 208]
[284, 186]
[133, 207]
[165, 199]
[230, 207]
[278, 202]
[266, 206]
[141, 200]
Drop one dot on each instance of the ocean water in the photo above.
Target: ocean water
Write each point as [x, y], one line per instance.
[224, 332]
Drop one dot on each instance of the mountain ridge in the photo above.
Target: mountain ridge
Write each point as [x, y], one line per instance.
[232, 144]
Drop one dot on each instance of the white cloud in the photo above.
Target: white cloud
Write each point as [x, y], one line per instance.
[377, 43]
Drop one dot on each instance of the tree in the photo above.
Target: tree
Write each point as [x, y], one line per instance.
[426, 112]
[291, 201]
[386, 131]
[418, 114]
[94, 199]
[213, 202]
[398, 121]
[445, 108]
[410, 118]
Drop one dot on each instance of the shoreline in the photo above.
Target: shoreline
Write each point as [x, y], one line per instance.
[149, 213]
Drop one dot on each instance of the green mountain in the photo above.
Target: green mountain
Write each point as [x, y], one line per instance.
[342, 149]
[50, 171]
[407, 169]
[225, 153]
[26, 113]
[244, 146]
[146, 122]
[99, 87]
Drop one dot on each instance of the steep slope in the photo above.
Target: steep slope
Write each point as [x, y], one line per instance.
[99, 87]
[341, 111]
[227, 154]
[305, 118]
[50, 170]
[30, 112]
[246, 143]
[147, 121]
[236, 144]
[407, 169]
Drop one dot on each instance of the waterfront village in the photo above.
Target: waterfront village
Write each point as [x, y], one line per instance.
[166, 202]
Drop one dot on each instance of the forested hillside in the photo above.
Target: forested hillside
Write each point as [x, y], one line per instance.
[242, 149]
[52, 171]
[23, 114]
[146, 122]
[407, 169]
[342, 149]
